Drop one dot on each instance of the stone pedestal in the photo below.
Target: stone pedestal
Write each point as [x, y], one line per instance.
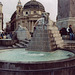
[66, 14]
[64, 23]
[45, 38]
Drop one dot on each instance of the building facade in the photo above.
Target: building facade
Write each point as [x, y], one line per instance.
[1, 17]
[8, 27]
[27, 15]
[66, 14]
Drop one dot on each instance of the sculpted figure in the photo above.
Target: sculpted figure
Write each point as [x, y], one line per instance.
[44, 20]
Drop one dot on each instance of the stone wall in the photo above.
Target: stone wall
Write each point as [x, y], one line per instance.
[7, 42]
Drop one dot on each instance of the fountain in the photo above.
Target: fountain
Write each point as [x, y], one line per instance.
[44, 55]
[46, 37]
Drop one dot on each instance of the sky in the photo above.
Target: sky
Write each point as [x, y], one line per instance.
[9, 6]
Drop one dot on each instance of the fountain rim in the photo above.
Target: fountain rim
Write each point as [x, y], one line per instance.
[40, 62]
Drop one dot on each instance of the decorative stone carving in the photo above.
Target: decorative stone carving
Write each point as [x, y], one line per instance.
[22, 33]
[44, 20]
[46, 37]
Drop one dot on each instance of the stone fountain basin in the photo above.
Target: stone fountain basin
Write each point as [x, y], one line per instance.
[7, 42]
[22, 62]
[23, 56]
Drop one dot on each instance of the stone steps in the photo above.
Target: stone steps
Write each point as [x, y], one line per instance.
[21, 44]
[24, 44]
[14, 46]
[69, 45]
[26, 41]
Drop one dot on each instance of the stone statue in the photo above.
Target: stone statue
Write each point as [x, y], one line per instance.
[44, 20]
[22, 33]
[46, 16]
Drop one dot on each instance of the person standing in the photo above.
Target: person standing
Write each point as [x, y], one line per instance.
[70, 31]
[2, 35]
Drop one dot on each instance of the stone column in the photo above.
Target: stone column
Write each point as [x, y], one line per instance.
[32, 26]
[29, 26]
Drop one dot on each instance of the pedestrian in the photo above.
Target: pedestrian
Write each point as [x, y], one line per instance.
[11, 34]
[2, 35]
[70, 32]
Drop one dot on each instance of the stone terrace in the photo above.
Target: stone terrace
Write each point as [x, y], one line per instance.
[69, 44]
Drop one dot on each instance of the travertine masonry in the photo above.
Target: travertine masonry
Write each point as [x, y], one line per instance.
[45, 38]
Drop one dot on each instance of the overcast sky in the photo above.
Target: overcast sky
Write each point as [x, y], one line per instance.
[9, 6]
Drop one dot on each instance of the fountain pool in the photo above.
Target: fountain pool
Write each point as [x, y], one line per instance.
[21, 55]
[22, 62]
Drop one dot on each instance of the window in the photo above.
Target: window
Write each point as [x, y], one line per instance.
[19, 10]
[34, 11]
[23, 22]
[26, 12]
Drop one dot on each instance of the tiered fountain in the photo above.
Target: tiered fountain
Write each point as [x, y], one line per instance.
[43, 55]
